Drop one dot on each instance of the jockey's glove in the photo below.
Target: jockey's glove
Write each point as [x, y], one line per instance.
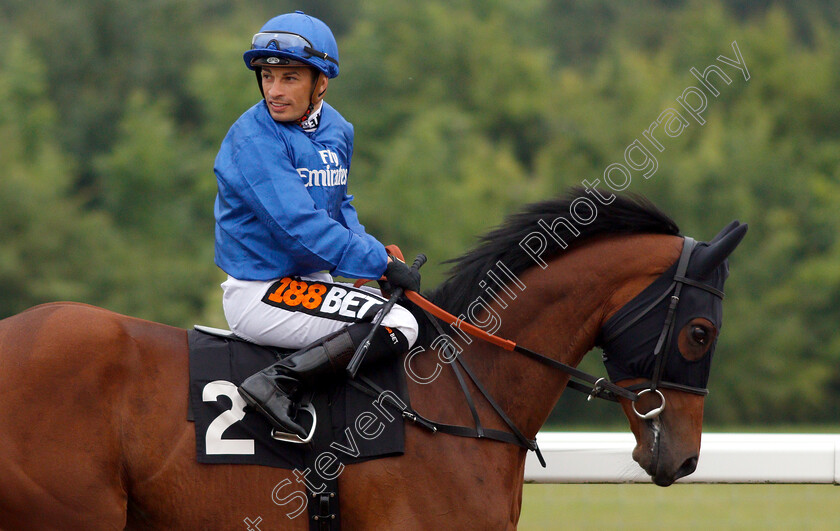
[400, 275]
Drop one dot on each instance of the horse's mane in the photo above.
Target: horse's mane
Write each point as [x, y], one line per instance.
[626, 214]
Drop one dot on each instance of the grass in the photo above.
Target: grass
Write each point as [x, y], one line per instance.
[689, 506]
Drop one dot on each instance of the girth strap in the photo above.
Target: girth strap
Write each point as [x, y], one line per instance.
[323, 507]
[516, 437]
[370, 388]
[523, 441]
[478, 427]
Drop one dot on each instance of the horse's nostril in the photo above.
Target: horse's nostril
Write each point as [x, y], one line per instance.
[688, 466]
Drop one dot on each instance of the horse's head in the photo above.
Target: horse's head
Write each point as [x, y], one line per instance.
[622, 287]
[660, 344]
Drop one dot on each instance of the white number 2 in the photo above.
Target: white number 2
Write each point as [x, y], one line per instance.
[213, 442]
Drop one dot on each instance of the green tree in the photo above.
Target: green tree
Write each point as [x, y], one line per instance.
[111, 112]
[155, 186]
[445, 103]
[767, 154]
[50, 245]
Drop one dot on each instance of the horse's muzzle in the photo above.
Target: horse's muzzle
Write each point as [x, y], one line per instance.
[662, 470]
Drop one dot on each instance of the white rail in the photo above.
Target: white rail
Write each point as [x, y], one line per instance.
[724, 458]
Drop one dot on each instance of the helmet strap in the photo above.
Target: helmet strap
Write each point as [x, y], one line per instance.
[258, 71]
[306, 115]
[314, 99]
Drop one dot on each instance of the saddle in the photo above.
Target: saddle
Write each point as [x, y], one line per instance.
[355, 420]
[351, 420]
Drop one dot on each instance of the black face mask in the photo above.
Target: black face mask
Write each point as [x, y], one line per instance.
[639, 334]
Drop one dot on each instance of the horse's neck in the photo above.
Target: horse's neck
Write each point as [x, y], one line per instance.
[558, 314]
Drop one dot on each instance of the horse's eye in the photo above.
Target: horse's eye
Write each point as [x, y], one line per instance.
[699, 335]
[696, 339]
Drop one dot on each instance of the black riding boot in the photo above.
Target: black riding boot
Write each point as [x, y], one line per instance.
[274, 390]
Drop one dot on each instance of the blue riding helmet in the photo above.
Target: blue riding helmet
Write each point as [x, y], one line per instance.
[298, 37]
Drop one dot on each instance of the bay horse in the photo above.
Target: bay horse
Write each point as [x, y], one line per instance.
[93, 429]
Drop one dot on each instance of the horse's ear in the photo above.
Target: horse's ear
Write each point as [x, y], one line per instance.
[719, 248]
[726, 230]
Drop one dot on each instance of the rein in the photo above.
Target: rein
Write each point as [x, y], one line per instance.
[599, 387]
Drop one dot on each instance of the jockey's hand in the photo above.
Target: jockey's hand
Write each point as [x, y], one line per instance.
[385, 287]
[400, 275]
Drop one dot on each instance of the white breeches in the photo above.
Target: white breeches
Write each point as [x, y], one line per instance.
[292, 313]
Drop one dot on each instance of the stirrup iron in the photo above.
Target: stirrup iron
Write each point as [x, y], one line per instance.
[293, 437]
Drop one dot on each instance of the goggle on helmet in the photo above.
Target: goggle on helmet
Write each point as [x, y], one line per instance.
[294, 37]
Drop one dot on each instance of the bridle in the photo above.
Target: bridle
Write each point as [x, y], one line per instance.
[598, 387]
[665, 336]
[601, 387]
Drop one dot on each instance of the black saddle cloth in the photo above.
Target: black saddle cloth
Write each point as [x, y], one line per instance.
[352, 425]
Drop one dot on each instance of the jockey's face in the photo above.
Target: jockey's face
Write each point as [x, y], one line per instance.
[288, 91]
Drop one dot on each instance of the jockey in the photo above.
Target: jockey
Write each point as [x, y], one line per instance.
[285, 224]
